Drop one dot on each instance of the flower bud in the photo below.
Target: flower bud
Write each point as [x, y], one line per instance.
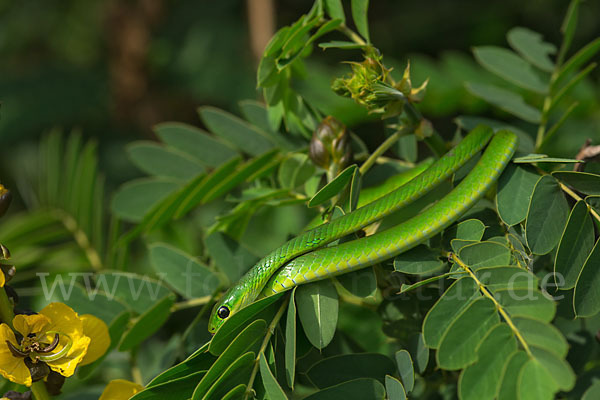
[330, 144]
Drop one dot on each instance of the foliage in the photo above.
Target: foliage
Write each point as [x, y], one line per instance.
[502, 304]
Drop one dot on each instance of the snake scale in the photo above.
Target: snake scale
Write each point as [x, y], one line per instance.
[304, 258]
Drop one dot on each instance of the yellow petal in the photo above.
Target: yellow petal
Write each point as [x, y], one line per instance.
[63, 320]
[2, 279]
[66, 365]
[120, 389]
[97, 331]
[11, 367]
[26, 324]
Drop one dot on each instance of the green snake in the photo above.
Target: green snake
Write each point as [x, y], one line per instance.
[304, 258]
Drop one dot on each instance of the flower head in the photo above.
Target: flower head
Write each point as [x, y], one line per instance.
[56, 337]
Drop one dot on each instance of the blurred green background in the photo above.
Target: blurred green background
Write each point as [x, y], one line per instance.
[113, 69]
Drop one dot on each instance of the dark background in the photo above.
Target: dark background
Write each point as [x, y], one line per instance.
[112, 69]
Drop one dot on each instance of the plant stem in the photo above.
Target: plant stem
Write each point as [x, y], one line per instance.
[499, 307]
[576, 197]
[39, 391]
[383, 147]
[199, 301]
[81, 239]
[263, 346]
[6, 309]
[352, 35]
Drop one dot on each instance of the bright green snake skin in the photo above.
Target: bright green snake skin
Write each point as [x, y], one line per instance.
[269, 277]
[357, 254]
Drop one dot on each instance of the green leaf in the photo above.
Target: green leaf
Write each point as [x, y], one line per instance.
[248, 340]
[459, 342]
[480, 380]
[581, 181]
[274, 391]
[542, 335]
[577, 60]
[407, 148]
[509, 382]
[575, 246]
[137, 292]
[338, 44]
[506, 100]
[185, 274]
[531, 46]
[158, 160]
[586, 299]
[418, 261]
[406, 369]
[347, 367]
[506, 277]
[196, 190]
[515, 187]
[147, 323]
[318, 311]
[355, 186]
[236, 393]
[558, 368]
[361, 283]
[88, 301]
[485, 254]
[333, 188]
[526, 303]
[230, 256]
[358, 389]
[538, 158]
[593, 392]
[470, 229]
[359, 15]
[238, 372]
[135, 198]
[290, 341]
[468, 123]
[394, 388]
[568, 28]
[546, 217]
[179, 388]
[335, 9]
[510, 66]
[238, 322]
[200, 360]
[295, 171]
[535, 382]
[242, 135]
[419, 352]
[452, 303]
[242, 174]
[457, 244]
[195, 142]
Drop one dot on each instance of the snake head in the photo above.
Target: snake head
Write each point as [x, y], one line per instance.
[229, 304]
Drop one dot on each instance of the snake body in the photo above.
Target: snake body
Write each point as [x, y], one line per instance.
[304, 259]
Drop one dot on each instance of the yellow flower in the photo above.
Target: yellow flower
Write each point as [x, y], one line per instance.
[120, 389]
[2, 279]
[56, 336]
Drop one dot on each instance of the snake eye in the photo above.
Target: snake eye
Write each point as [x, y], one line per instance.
[223, 312]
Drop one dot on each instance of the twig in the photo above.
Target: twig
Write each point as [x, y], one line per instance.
[270, 331]
[499, 307]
